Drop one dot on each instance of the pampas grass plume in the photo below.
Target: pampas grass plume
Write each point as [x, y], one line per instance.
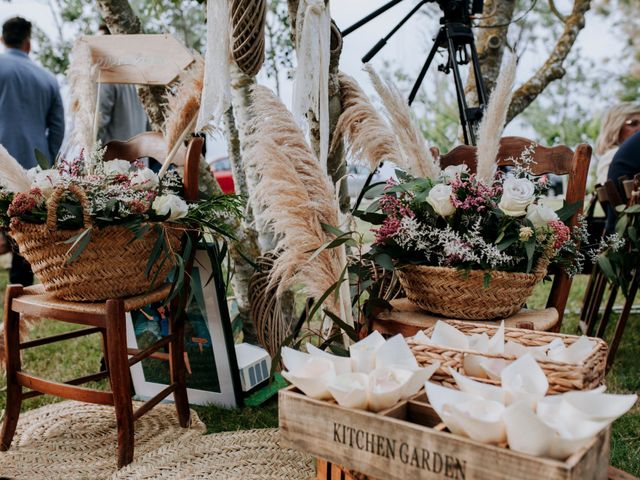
[183, 103]
[12, 176]
[417, 157]
[366, 132]
[493, 121]
[297, 197]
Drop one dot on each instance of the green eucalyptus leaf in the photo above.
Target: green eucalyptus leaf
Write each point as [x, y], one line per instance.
[78, 246]
[42, 159]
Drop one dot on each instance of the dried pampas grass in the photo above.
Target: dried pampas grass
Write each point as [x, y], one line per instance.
[417, 158]
[492, 124]
[366, 132]
[12, 176]
[183, 104]
[297, 197]
[82, 75]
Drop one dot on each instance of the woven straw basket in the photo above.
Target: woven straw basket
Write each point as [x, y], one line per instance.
[112, 265]
[453, 293]
[562, 377]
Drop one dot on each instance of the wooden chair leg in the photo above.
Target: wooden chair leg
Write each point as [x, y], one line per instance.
[613, 294]
[587, 297]
[622, 319]
[120, 379]
[12, 361]
[593, 309]
[178, 367]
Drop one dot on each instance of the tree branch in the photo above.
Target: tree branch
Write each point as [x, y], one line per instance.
[553, 68]
[121, 19]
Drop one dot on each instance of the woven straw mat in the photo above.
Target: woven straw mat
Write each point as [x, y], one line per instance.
[72, 440]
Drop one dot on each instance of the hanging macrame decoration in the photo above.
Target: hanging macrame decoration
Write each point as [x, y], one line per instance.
[248, 19]
[216, 93]
[311, 85]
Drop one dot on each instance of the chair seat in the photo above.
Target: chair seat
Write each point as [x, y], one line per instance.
[407, 319]
[36, 302]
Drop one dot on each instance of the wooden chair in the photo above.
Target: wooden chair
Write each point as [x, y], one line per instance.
[611, 194]
[106, 318]
[560, 160]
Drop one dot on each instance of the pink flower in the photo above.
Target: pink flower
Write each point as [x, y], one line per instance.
[561, 233]
[25, 202]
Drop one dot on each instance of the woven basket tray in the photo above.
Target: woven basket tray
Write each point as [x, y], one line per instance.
[562, 377]
[453, 293]
[112, 265]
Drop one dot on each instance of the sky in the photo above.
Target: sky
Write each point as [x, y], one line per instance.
[406, 50]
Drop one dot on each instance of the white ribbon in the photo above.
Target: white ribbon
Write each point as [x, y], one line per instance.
[216, 93]
[311, 85]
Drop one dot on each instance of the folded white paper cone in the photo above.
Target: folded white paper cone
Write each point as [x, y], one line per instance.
[350, 390]
[395, 351]
[341, 364]
[473, 387]
[523, 379]
[386, 386]
[363, 353]
[449, 336]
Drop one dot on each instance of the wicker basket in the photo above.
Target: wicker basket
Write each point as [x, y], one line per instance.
[562, 377]
[454, 293]
[112, 265]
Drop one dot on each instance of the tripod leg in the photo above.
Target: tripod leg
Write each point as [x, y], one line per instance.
[468, 132]
[425, 67]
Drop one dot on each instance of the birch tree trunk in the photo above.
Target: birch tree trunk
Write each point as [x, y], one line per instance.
[247, 236]
[490, 43]
[121, 19]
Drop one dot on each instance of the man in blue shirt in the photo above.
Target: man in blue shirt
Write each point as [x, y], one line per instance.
[625, 163]
[31, 112]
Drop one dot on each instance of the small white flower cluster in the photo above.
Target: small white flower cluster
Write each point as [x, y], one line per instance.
[523, 164]
[613, 242]
[445, 244]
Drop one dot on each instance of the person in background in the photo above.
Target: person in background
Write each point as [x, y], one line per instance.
[618, 124]
[31, 112]
[625, 163]
[121, 113]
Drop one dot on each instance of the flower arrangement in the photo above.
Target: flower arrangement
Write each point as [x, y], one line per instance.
[460, 221]
[87, 202]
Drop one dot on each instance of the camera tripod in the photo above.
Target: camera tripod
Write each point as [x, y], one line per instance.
[455, 36]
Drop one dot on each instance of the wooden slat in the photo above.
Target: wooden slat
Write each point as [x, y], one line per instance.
[407, 319]
[76, 381]
[58, 338]
[82, 394]
[322, 469]
[615, 474]
[556, 159]
[142, 354]
[152, 402]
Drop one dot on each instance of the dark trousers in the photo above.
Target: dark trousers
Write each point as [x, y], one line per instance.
[20, 272]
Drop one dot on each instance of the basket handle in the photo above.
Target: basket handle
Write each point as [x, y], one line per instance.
[52, 205]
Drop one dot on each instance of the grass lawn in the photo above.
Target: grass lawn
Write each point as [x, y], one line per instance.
[82, 356]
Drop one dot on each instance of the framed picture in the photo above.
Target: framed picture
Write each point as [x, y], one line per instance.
[210, 357]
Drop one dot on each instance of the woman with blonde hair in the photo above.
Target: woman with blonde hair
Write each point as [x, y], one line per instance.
[618, 123]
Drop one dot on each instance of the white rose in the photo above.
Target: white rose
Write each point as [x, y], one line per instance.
[46, 181]
[144, 179]
[453, 171]
[517, 195]
[440, 199]
[117, 167]
[540, 215]
[170, 204]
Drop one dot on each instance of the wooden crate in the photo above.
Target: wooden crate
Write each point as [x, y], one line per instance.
[409, 442]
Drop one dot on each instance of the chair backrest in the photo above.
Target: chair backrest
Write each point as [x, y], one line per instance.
[559, 160]
[152, 145]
